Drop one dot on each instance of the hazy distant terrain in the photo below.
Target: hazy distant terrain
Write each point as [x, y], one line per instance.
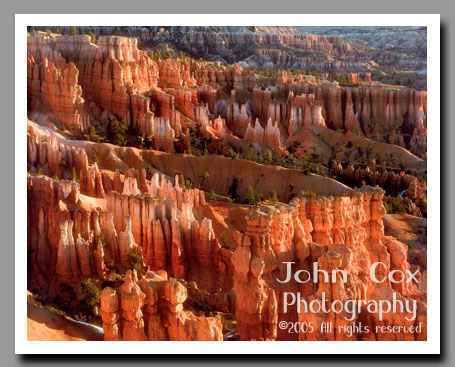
[393, 55]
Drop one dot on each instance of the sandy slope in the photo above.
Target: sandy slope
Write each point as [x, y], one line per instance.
[225, 173]
[407, 229]
[344, 148]
[45, 325]
[412, 231]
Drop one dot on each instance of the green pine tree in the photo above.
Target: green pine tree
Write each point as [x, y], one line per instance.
[250, 197]
[273, 199]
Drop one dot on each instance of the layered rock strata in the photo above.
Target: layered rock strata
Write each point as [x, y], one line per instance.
[122, 82]
[336, 233]
[90, 228]
[268, 137]
[70, 242]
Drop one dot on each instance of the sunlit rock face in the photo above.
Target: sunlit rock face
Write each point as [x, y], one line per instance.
[177, 206]
[343, 233]
[124, 83]
[151, 309]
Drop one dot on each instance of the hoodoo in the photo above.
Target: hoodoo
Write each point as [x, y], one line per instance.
[227, 183]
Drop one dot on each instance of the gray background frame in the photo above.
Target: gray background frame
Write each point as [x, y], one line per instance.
[444, 7]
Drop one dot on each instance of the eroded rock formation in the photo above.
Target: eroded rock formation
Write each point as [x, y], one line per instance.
[108, 205]
[393, 183]
[124, 83]
[152, 309]
[336, 233]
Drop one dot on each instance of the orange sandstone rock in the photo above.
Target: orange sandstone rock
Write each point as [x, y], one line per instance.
[151, 309]
[336, 233]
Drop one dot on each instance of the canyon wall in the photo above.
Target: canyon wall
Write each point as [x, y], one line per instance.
[336, 233]
[288, 48]
[61, 69]
[81, 83]
[73, 237]
[384, 114]
[66, 233]
[96, 213]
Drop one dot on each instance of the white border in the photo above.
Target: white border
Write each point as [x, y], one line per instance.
[432, 345]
